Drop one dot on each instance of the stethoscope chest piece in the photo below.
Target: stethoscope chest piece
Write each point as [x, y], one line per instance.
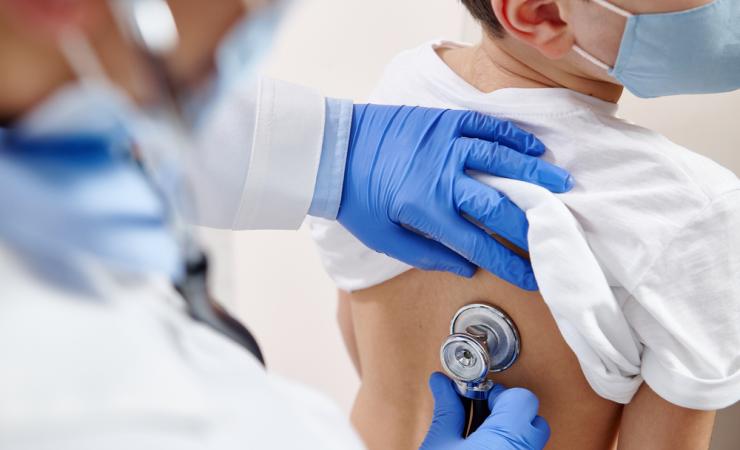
[482, 339]
[502, 336]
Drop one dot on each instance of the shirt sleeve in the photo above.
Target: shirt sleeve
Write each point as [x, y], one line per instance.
[260, 157]
[330, 179]
[686, 311]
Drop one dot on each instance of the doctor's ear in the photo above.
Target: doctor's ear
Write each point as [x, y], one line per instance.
[538, 23]
[49, 17]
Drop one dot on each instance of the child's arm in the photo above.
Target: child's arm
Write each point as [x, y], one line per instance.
[347, 328]
[649, 422]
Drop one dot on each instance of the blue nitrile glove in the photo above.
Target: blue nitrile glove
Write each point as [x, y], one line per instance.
[512, 425]
[406, 171]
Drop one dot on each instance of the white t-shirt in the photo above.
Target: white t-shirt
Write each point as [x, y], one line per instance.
[639, 263]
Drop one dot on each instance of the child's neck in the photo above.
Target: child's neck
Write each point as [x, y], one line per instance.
[498, 64]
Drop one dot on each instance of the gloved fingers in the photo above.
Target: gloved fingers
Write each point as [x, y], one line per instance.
[492, 210]
[426, 254]
[485, 127]
[514, 417]
[449, 413]
[497, 159]
[483, 250]
[495, 391]
[541, 425]
[517, 405]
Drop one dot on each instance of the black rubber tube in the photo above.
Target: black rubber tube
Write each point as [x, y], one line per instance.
[194, 289]
[476, 412]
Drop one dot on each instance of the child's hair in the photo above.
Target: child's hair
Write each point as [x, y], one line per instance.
[483, 12]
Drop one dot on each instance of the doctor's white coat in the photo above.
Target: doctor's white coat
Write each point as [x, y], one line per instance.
[116, 362]
[120, 365]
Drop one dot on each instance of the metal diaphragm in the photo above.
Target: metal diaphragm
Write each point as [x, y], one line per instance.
[464, 359]
[492, 328]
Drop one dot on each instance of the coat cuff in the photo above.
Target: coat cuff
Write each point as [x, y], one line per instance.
[288, 140]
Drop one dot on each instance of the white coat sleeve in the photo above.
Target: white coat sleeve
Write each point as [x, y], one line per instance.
[259, 157]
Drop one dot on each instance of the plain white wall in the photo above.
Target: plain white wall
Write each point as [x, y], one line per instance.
[274, 279]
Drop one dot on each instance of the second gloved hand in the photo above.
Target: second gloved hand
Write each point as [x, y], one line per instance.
[406, 190]
[512, 425]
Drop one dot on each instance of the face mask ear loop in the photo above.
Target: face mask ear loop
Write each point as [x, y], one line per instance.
[588, 56]
[81, 57]
[613, 8]
[592, 59]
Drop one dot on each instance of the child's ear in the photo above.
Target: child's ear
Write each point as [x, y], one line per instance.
[538, 23]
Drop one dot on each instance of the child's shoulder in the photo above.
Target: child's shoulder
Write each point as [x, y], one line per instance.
[411, 78]
[643, 148]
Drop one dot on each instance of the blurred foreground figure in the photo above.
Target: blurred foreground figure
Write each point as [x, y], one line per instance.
[122, 121]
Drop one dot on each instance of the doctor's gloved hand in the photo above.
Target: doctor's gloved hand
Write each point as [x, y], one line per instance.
[406, 192]
[512, 425]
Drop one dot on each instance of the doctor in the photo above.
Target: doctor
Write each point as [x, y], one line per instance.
[97, 349]
[268, 152]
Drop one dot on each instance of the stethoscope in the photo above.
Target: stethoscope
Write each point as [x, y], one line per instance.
[483, 339]
[201, 308]
[154, 39]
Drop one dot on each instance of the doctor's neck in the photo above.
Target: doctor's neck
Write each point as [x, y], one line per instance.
[498, 63]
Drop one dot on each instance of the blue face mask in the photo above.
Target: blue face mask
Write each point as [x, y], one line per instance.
[687, 52]
[75, 194]
[82, 195]
[237, 58]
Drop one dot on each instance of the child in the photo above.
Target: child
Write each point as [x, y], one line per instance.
[638, 266]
